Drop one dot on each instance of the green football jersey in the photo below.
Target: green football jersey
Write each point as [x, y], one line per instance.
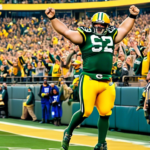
[97, 52]
[77, 72]
[138, 66]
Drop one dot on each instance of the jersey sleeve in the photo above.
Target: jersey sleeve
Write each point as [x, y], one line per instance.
[112, 31]
[82, 31]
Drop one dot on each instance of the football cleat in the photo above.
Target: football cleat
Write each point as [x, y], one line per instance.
[65, 142]
[100, 146]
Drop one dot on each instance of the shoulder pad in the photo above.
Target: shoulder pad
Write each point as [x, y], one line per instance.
[86, 30]
[111, 29]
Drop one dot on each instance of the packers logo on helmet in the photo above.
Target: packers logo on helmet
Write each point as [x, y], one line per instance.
[103, 19]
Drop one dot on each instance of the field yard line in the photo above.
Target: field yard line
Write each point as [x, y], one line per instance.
[23, 125]
[79, 133]
[42, 133]
[45, 138]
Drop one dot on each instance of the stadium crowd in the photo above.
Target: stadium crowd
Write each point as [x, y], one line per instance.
[30, 47]
[44, 1]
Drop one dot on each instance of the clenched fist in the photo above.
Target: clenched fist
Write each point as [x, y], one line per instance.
[50, 12]
[134, 10]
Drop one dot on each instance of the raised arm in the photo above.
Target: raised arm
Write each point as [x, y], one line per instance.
[10, 63]
[127, 24]
[52, 58]
[61, 28]
[133, 44]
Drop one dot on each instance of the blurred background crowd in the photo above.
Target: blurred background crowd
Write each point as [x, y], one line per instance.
[30, 47]
[44, 1]
[30, 50]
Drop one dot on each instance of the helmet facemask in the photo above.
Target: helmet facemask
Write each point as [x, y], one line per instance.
[100, 30]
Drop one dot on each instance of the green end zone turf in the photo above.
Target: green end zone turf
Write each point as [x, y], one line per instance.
[10, 141]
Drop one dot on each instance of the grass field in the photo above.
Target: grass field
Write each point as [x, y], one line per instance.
[16, 142]
[18, 134]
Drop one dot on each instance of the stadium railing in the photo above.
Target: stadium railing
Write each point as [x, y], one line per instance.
[137, 81]
[132, 78]
[33, 80]
[126, 80]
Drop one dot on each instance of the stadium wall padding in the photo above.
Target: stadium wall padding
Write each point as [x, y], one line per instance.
[124, 115]
[71, 6]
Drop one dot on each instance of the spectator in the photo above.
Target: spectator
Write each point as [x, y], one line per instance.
[33, 41]
[44, 94]
[56, 107]
[6, 68]
[29, 71]
[124, 71]
[142, 100]
[64, 90]
[40, 70]
[129, 62]
[77, 70]
[28, 106]
[56, 73]
[2, 104]
[146, 105]
[75, 94]
[4, 101]
[146, 61]
[53, 86]
[114, 67]
[3, 74]
[117, 74]
[48, 63]
[138, 61]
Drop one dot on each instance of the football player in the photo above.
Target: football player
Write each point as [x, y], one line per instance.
[95, 85]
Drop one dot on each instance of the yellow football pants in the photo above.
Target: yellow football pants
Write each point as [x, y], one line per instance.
[96, 93]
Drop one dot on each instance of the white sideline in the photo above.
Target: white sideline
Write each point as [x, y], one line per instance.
[44, 138]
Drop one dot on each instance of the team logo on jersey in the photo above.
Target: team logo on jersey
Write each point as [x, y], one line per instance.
[99, 76]
[111, 29]
[46, 90]
[137, 62]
